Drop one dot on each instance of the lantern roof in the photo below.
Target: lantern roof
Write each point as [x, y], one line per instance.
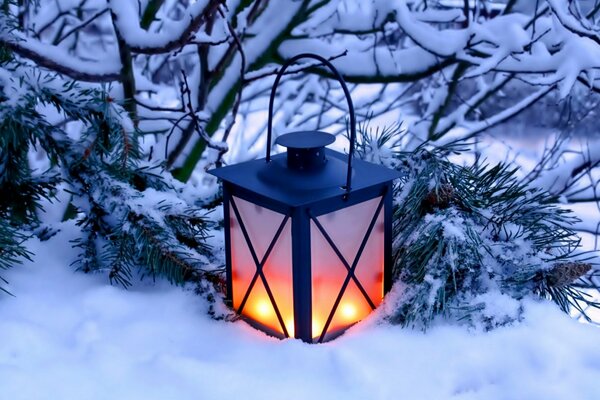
[294, 188]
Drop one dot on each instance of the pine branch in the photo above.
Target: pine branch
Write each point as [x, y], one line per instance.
[131, 218]
[463, 233]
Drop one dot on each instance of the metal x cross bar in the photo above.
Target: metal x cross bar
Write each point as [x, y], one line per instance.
[350, 268]
[259, 265]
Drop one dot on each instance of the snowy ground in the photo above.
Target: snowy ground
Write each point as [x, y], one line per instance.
[67, 335]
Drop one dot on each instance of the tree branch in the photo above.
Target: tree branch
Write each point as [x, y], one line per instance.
[82, 25]
[187, 34]
[62, 62]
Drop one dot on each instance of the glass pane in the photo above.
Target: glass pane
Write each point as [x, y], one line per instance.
[328, 275]
[346, 228]
[278, 271]
[259, 308]
[261, 225]
[369, 270]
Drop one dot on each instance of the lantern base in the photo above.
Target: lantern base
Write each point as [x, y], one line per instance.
[331, 335]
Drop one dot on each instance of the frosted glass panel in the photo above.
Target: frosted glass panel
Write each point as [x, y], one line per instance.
[278, 271]
[352, 308]
[347, 228]
[328, 274]
[242, 264]
[369, 270]
[261, 225]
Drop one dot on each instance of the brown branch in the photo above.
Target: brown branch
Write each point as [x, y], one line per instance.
[127, 76]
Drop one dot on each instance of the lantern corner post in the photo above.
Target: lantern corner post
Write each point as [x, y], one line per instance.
[388, 209]
[302, 275]
[227, 233]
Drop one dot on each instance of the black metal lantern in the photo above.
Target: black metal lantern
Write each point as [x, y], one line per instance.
[307, 233]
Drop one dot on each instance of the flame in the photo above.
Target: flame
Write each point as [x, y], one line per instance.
[348, 311]
[263, 308]
[351, 309]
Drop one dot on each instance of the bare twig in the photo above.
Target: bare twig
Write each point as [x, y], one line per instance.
[157, 108]
[82, 25]
[292, 70]
[196, 123]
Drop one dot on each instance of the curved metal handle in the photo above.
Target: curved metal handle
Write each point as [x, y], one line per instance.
[348, 98]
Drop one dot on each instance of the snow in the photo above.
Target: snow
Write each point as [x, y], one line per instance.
[405, 61]
[442, 43]
[66, 335]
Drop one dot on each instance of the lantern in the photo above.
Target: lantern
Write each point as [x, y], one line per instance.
[307, 233]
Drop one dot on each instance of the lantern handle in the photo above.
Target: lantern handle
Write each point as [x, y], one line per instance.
[340, 79]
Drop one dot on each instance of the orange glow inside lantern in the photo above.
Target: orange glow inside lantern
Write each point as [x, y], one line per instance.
[339, 299]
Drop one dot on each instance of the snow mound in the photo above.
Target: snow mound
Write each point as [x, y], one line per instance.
[66, 335]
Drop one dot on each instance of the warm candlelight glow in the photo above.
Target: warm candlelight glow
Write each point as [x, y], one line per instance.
[263, 308]
[328, 271]
[348, 311]
[289, 325]
[317, 327]
[346, 229]
[261, 225]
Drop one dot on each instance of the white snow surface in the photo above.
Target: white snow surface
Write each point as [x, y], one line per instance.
[67, 335]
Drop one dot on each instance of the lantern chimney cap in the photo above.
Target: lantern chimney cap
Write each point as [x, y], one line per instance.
[305, 140]
[305, 150]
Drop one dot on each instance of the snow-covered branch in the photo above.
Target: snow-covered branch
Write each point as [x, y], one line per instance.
[446, 64]
[59, 60]
[172, 35]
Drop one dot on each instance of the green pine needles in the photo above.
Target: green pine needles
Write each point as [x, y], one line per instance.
[133, 221]
[470, 242]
